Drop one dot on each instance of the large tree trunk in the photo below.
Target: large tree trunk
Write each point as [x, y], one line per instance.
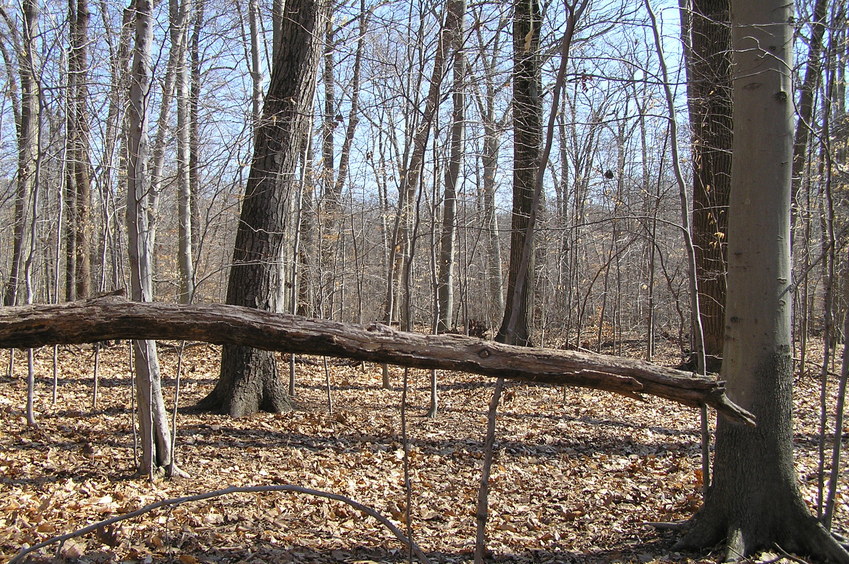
[754, 502]
[249, 381]
[527, 138]
[709, 90]
[111, 317]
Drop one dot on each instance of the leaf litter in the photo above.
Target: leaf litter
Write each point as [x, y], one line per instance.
[578, 475]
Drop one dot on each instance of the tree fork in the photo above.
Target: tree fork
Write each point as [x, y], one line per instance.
[114, 317]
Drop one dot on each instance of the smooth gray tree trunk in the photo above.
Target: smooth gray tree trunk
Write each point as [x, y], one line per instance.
[754, 501]
[153, 418]
[179, 15]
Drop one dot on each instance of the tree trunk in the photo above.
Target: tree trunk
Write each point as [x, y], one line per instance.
[194, 123]
[495, 278]
[255, 70]
[813, 76]
[249, 380]
[111, 317]
[80, 158]
[28, 141]
[527, 132]
[153, 419]
[445, 274]
[179, 15]
[754, 502]
[708, 56]
[330, 209]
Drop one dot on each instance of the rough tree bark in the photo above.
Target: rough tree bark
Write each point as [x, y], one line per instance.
[249, 380]
[445, 276]
[112, 317]
[78, 173]
[707, 38]
[527, 138]
[27, 128]
[754, 502]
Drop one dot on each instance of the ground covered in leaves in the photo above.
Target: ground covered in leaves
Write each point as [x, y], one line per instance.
[579, 475]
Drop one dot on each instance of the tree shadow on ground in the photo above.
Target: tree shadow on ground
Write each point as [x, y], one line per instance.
[195, 548]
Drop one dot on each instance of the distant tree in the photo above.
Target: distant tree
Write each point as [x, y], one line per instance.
[527, 140]
[754, 501]
[447, 240]
[27, 112]
[484, 95]
[249, 381]
[179, 13]
[78, 165]
[400, 256]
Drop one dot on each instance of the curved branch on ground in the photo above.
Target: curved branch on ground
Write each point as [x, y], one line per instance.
[175, 501]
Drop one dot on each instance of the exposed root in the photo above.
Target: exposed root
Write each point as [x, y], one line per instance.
[802, 535]
[735, 546]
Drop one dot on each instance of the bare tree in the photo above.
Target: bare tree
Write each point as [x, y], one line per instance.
[249, 381]
[153, 418]
[399, 252]
[445, 274]
[527, 140]
[27, 126]
[179, 15]
[754, 502]
[78, 165]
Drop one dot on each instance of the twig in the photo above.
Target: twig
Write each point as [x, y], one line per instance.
[482, 510]
[787, 555]
[666, 525]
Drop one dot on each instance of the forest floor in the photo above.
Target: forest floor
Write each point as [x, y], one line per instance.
[579, 475]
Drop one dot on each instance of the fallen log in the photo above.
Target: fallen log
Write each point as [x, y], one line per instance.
[114, 317]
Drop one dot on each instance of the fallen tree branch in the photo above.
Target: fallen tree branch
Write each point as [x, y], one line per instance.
[175, 501]
[113, 317]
